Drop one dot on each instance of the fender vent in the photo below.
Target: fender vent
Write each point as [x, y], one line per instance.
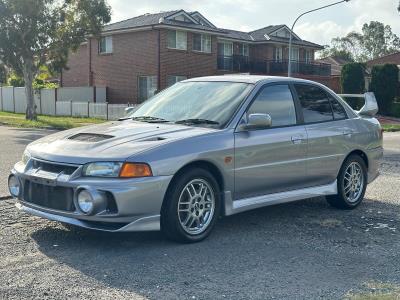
[90, 137]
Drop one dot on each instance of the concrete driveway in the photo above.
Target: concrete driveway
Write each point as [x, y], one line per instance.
[302, 250]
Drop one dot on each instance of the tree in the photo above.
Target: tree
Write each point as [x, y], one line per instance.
[38, 32]
[384, 84]
[3, 74]
[374, 41]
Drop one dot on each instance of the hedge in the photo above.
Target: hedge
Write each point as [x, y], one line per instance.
[352, 78]
[384, 84]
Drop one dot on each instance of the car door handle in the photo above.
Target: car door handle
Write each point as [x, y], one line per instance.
[297, 139]
[348, 132]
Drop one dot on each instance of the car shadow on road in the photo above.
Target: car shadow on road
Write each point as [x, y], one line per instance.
[26, 135]
[305, 248]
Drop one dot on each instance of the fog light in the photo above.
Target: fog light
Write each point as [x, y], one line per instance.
[14, 186]
[85, 201]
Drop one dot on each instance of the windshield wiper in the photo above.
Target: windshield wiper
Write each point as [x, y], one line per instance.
[149, 119]
[197, 121]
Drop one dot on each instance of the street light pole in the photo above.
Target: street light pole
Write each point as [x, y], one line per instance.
[294, 23]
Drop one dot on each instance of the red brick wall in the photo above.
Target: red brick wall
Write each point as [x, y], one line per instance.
[78, 68]
[134, 54]
[187, 63]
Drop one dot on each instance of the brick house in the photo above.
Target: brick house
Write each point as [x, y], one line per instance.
[136, 57]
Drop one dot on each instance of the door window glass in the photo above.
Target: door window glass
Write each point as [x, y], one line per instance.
[338, 111]
[277, 101]
[315, 103]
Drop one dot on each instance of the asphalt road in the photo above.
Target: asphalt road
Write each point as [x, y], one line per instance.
[302, 250]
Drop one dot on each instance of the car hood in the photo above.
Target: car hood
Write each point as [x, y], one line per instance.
[111, 141]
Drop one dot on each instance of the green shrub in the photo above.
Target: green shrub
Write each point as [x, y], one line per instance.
[384, 84]
[352, 78]
[395, 110]
[15, 80]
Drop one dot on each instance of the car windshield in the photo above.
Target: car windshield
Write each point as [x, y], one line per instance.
[210, 104]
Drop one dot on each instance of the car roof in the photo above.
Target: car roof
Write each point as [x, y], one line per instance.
[248, 78]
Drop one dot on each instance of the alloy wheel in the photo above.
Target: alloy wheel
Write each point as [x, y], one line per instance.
[196, 206]
[353, 182]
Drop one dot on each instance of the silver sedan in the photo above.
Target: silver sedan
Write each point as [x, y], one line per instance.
[202, 148]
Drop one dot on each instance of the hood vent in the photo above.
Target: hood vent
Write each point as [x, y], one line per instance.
[90, 137]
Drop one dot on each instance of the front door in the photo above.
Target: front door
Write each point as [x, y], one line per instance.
[271, 160]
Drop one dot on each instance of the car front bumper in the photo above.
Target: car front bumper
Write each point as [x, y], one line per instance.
[137, 201]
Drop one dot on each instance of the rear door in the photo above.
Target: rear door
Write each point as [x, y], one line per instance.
[271, 160]
[328, 133]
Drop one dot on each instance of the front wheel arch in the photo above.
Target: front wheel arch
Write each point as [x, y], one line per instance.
[202, 164]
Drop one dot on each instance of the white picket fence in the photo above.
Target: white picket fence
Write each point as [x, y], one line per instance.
[74, 102]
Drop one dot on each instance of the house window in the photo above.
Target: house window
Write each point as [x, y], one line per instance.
[309, 56]
[295, 54]
[244, 49]
[177, 39]
[278, 54]
[202, 42]
[225, 53]
[172, 79]
[106, 44]
[147, 87]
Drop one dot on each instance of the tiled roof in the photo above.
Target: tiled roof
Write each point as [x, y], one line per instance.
[162, 18]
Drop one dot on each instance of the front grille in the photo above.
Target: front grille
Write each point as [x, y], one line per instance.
[53, 167]
[54, 197]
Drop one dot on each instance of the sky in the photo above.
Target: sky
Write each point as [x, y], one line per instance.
[246, 15]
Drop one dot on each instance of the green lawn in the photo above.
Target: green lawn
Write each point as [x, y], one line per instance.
[18, 120]
[391, 127]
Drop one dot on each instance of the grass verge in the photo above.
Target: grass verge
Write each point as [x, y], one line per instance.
[391, 127]
[50, 122]
[377, 291]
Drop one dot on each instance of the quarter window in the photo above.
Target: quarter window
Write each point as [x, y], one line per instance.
[172, 79]
[202, 42]
[106, 45]
[147, 87]
[277, 101]
[315, 104]
[177, 39]
[338, 111]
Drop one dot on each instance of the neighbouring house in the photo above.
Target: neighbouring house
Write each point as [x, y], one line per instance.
[139, 56]
[336, 64]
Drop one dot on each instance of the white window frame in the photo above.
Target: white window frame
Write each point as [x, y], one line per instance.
[278, 54]
[293, 52]
[108, 40]
[151, 85]
[203, 43]
[179, 45]
[308, 56]
[176, 78]
[244, 50]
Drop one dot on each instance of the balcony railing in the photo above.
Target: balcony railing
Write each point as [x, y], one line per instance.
[243, 64]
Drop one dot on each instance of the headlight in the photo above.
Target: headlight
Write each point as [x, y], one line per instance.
[102, 169]
[117, 169]
[26, 156]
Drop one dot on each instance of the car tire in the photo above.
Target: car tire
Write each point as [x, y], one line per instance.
[351, 184]
[191, 207]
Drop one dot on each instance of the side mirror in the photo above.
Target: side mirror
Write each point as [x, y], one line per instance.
[256, 121]
[129, 110]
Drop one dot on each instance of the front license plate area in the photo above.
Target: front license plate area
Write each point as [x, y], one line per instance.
[49, 196]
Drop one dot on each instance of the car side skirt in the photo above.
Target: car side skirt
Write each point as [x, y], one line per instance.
[237, 206]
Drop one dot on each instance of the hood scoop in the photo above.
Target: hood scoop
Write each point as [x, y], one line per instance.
[90, 137]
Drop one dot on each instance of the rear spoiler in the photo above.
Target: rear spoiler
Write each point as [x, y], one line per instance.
[370, 107]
